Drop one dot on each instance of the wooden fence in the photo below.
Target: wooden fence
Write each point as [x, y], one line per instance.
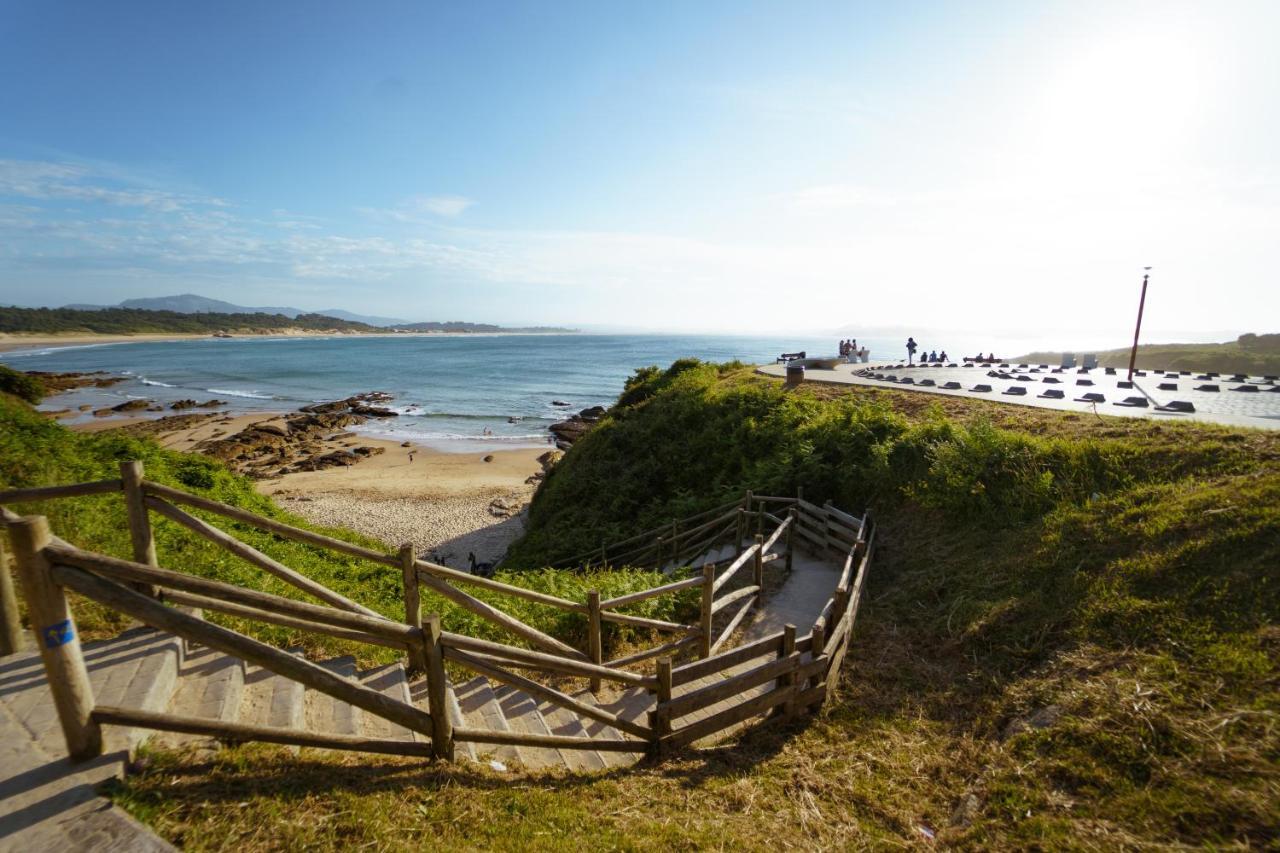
[788, 674]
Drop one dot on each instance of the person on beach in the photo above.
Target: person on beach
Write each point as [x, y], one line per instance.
[942, 356]
[911, 349]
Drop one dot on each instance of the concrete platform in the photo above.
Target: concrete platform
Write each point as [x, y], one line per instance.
[1258, 405]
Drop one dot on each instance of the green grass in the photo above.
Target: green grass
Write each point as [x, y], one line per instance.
[1113, 578]
[35, 451]
[1253, 355]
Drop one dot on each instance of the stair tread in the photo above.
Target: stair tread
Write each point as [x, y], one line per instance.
[323, 713]
[272, 700]
[210, 686]
[522, 715]
[561, 721]
[480, 710]
[604, 731]
[390, 681]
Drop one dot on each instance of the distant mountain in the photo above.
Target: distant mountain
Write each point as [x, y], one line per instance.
[190, 303]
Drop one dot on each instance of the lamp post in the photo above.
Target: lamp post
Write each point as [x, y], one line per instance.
[1142, 302]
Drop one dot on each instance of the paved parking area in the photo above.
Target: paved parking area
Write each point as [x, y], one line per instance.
[1235, 400]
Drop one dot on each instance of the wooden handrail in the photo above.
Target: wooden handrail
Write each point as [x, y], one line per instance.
[204, 602]
[236, 732]
[446, 573]
[559, 664]
[71, 490]
[487, 669]
[549, 741]
[733, 568]
[278, 527]
[657, 651]
[737, 595]
[654, 592]
[735, 685]
[124, 570]
[729, 628]
[492, 614]
[238, 645]
[252, 555]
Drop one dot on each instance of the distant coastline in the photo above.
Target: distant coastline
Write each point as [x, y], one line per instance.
[12, 341]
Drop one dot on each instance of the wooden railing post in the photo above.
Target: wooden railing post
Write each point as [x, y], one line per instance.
[135, 507]
[10, 623]
[56, 637]
[412, 604]
[660, 716]
[819, 643]
[790, 541]
[595, 642]
[675, 542]
[708, 600]
[788, 648]
[758, 568]
[741, 530]
[437, 690]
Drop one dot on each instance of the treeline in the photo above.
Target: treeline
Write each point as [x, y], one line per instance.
[124, 321]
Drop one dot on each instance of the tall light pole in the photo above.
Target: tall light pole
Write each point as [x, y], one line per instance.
[1142, 302]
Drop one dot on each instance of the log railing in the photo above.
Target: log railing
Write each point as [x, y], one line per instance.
[779, 676]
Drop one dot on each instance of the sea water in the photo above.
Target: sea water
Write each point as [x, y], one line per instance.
[453, 392]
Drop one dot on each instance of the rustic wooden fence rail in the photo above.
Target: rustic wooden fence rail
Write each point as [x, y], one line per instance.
[777, 676]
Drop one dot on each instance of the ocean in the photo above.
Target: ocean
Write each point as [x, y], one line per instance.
[452, 392]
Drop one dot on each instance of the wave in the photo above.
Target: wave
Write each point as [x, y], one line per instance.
[231, 392]
[146, 381]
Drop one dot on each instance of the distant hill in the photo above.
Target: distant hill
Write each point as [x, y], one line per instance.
[456, 326]
[1255, 355]
[191, 303]
[126, 321]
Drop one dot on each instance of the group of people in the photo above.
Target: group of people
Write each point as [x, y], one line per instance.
[925, 357]
[850, 352]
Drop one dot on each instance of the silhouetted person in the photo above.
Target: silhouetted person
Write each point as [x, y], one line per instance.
[911, 349]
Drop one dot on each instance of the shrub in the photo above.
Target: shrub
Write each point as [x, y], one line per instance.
[21, 385]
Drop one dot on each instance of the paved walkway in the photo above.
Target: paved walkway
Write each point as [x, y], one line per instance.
[47, 803]
[1258, 405]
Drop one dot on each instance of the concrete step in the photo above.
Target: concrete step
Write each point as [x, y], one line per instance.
[418, 690]
[210, 686]
[561, 721]
[325, 714]
[272, 700]
[603, 731]
[522, 715]
[480, 710]
[391, 681]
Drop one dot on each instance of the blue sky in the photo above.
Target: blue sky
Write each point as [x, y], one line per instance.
[732, 166]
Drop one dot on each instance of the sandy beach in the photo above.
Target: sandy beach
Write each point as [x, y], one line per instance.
[446, 504]
[9, 342]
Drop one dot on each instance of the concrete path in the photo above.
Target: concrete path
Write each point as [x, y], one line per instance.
[1258, 405]
[47, 803]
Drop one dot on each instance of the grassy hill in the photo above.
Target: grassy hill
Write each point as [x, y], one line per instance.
[1070, 640]
[35, 451]
[126, 321]
[1255, 355]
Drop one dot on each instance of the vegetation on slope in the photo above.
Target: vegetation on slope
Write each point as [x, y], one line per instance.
[1069, 640]
[24, 386]
[1253, 355]
[128, 321]
[35, 451]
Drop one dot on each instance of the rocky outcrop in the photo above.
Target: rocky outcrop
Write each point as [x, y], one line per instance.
[179, 405]
[300, 442]
[126, 406]
[567, 432]
[55, 382]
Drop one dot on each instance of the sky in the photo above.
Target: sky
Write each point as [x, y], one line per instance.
[709, 166]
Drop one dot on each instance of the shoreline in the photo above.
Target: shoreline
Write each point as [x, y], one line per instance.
[448, 504]
[16, 341]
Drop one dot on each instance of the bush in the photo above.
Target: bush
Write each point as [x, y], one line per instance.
[21, 385]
